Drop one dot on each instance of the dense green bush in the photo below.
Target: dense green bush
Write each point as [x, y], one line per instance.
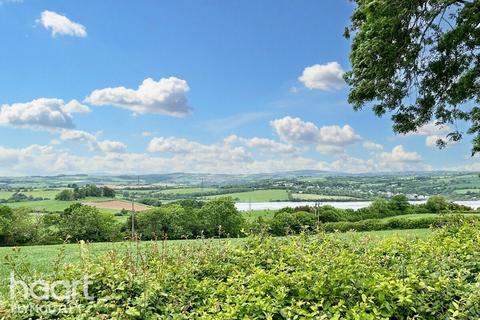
[299, 277]
[285, 223]
[17, 226]
[215, 218]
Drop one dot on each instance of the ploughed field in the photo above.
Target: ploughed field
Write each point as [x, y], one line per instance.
[117, 205]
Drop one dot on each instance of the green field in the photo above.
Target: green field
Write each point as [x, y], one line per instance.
[55, 205]
[254, 214]
[187, 190]
[257, 195]
[43, 193]
[310, 196]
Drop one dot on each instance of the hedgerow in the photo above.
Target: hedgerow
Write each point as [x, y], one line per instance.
[300, 277]
[392, 224]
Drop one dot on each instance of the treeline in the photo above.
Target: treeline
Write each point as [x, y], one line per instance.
[21, 197]
[184, 219]
[187, 219]
[88, 190]
[21, 226]
[328, 218]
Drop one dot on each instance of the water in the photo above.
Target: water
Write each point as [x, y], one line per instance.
[337, 204]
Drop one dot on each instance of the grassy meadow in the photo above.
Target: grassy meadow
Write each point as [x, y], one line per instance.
[257, 195]
[309, 196]
[55, 205]
[187, 190]
[37, 193]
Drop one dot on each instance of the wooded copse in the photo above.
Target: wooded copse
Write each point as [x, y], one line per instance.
[89, 190]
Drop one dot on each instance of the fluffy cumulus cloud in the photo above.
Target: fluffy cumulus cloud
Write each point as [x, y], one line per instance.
[34, 159]
[43, 113]
[262, 144]
[324, 77]
[112, 146]
[61, 25]
[166, 96]
[399, 154]
[433, 133]
[93, 142]
[199, 151]
[170, 157]
[328, 139]
[337, 135]
[75, 107]
[295, 130]
[372, 146]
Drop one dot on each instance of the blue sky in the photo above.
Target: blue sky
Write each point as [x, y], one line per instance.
[195, 86]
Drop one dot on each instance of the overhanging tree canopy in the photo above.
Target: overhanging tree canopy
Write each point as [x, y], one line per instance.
[419, 60]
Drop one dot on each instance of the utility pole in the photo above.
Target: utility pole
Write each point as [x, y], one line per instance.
[133, 218]
[317, 214]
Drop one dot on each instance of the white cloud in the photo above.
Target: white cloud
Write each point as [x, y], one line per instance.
[75, 107]
[324, 77]
[40, 114]
[328, 139]
[330, 149]
[200, 152]
[112, 146]
[399, 154]
[433, 133]
[338, 135]
[93, 142]
[262, 144]
[431, 141]
[61, 25]
[432, 129]
[372, 146]
[295, 130]
[166, 96]
[37, 159]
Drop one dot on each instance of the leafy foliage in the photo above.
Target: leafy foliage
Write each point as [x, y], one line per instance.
[299, 277]
[79, 222]
[89, 190]
[419, 60]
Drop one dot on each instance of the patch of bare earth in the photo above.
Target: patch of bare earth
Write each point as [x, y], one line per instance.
[117, 204]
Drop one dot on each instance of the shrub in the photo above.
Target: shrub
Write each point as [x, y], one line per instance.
[299, 277]
[436, 204]
[79, 222]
